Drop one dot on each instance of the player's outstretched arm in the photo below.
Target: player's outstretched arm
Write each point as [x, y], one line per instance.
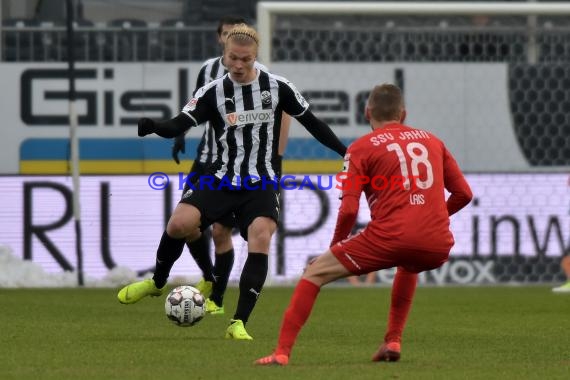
[322, 132]
[167, 129]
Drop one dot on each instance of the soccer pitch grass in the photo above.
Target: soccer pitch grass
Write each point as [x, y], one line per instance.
[452, 333]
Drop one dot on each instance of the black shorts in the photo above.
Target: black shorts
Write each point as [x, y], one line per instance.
[199, 169]
[246, 205]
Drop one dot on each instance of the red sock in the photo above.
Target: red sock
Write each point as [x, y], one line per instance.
[403, 291]
[296, 315]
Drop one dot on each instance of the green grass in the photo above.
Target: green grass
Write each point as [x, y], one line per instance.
[453, 333]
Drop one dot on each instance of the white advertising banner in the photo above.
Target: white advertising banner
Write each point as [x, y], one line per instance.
[466, 105]
[512, 215]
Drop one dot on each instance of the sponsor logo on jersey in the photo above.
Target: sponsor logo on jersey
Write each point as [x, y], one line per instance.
[232, 118]
[249, 117]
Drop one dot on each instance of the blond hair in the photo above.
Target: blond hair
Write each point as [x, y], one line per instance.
[243, 34]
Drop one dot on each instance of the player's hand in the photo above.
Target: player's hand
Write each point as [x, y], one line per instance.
[179, 146]
[146, 126]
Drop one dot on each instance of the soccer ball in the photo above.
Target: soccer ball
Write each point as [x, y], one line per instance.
[184, 306]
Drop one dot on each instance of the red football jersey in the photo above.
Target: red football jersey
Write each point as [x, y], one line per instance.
[403, 172]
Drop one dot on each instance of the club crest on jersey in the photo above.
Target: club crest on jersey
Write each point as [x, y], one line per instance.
[265, 97]
[249, 117]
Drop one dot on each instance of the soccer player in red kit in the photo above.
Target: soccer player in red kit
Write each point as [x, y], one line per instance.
[403, 173]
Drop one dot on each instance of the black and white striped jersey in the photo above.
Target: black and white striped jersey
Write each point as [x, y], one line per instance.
[246, 119]
[211, 70]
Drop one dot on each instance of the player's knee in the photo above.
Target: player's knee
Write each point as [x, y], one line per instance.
[324, 269]
[260, 232]
[221, 235]
[178, 228]
[315, 276]
[260, 237]
[194, 235]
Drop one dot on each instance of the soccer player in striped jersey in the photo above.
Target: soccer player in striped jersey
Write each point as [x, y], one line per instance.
[403, 172]
[245, 108]
[215, 278]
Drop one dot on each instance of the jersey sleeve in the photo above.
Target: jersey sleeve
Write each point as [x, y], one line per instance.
[291, 99]
[352, 181]
[455, 183]
[351, 187]
[199, 108]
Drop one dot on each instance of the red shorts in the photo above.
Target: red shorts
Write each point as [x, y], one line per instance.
[360, 255]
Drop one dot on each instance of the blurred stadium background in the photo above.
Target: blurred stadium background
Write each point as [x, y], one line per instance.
[496, 89]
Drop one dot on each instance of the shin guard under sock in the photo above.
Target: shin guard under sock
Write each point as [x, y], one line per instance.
[296, 315]
[200, 251]
[222, 269]
[250, 284]
[169, 250]
[403, 291]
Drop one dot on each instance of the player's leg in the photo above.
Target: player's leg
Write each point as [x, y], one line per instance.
[253, 274]
[200, 252]
[354, 280]
[403, 290]
[324, 269]
[370, 278]
[257, 213]
[222, 236]
[565, 265]
[200, 248]
[184, 223]
[352, 257]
